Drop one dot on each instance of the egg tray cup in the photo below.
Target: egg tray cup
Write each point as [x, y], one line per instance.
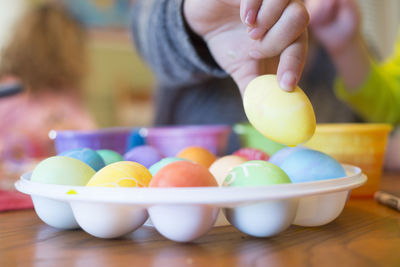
[184, 214]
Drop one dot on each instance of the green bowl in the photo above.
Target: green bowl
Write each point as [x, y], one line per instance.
[250, 137]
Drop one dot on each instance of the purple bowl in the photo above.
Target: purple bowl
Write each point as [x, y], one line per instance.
[108, 138]
[170, 140]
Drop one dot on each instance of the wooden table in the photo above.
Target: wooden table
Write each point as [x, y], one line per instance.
[365, 234]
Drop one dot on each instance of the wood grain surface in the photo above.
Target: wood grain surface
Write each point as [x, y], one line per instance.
[365, 234]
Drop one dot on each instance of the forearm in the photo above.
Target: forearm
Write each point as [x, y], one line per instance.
[167, 45]
[352, 63]
[378, 98]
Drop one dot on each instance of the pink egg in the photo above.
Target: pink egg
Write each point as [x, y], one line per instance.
[251, 154]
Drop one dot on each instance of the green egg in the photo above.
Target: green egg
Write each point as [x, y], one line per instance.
[109, 156]
[62, 170]
[256, 173]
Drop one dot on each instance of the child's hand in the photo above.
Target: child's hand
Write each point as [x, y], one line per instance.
[335, 23]
[248, 37]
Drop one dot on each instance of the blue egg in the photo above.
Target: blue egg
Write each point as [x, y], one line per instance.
[165, 161]
[278, 157]
[89, 156]
[135, 139]
[306, 165]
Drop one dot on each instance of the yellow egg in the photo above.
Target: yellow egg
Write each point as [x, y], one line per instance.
[121, 174]
[284, 117]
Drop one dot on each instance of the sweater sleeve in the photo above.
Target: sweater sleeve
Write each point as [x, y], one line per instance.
[176, 55]
[378, 99]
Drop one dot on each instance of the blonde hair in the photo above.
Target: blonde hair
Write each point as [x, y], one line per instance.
[47, 50]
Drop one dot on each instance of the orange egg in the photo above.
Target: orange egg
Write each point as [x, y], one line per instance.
[197, 154]
[183, 174]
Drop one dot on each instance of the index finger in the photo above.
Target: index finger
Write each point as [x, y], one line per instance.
[291, 63]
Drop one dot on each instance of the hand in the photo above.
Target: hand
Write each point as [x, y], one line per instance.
[335, 23]
[248, 38]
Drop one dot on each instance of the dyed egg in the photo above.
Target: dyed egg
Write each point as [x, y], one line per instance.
[121, 174]
[251, 154]
[256, 173]
[282, 154]
[284, 117]
[222, 166]
[87, 155]
[62, 170]
[109, 156]
[135, 139]
[307, 165]
[164, 162]
[183, 174]
[266, 218]
[183, 223]
[145, 155]
[197, 154]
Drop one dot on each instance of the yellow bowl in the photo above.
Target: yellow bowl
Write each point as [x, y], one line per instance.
[360, 144]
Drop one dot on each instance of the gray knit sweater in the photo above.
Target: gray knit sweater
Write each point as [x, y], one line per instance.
[193, 89]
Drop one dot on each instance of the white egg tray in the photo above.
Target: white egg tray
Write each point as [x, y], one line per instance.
[184, 214]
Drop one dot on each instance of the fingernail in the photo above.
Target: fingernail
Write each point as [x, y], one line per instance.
[250, 19]
[255, 54]
[288, 81]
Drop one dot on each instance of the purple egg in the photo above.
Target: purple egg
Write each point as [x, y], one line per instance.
[145, 155]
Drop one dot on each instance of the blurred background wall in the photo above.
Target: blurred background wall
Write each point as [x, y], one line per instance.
[381, 20]
[118, 89]
[10, 11]
[119, 85]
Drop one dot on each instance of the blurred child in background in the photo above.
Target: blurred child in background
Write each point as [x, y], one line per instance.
[371, 88]
[47, 54]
